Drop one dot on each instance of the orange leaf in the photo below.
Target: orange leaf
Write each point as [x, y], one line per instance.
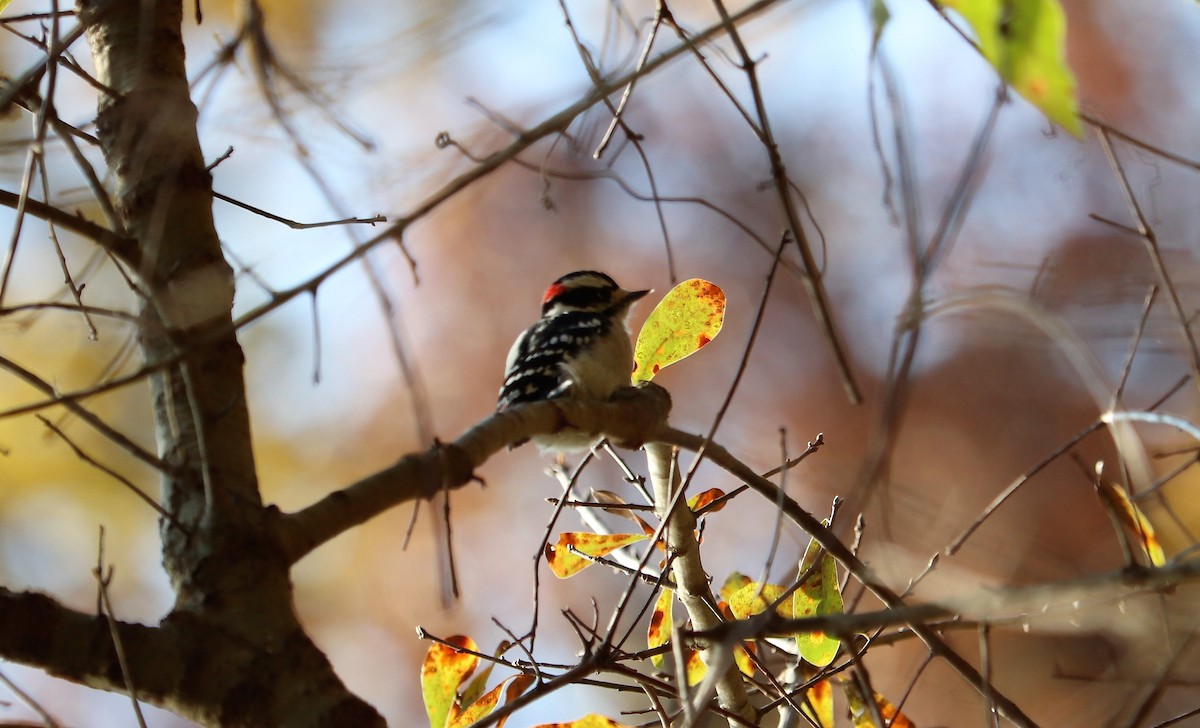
[565, 564]
[483, 707]
[861, 713]
[589, 721]
[1132, 518]
[696, 669]
[820, 698]
[700, 500]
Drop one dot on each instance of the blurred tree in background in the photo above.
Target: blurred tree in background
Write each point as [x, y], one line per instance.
[241, 280]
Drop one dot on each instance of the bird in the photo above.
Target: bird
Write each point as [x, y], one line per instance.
[579, 348]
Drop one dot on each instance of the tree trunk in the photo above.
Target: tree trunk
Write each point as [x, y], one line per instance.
[248, 660]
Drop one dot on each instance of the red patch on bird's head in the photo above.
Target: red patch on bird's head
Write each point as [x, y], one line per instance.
[553, 292]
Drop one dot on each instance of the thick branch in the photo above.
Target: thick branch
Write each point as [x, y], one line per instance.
[632, 417]
[36, 630]
[692, 583]
[188, 665]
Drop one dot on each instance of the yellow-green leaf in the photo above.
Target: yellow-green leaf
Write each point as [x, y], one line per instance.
[880, 15]
[818, 595]
[755, 597]
[589, 721]
[733, 582]
[564, 563]
[442, 672]
[1025, 41]
[683, 322]
[659, 632]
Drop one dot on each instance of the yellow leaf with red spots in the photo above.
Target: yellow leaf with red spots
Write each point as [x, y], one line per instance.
[754, 598]
[565, 563]
[444, 670]
[683, 322]
[659, 632]
[741, 656]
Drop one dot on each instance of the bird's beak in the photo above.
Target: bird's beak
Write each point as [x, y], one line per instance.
[631, 296]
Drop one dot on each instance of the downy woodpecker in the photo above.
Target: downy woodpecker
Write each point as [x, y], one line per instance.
[579, 348]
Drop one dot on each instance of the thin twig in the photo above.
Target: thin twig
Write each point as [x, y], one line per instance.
[633, 138]
[1150, 239]
[145, 497]
[102, 580]
[30, 702]
[1012, 488]
[659, 10]
[813, 282]
[295, 225]
[100, 425]
[545, 542]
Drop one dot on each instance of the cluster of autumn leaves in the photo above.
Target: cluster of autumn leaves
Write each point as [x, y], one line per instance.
[453, 702]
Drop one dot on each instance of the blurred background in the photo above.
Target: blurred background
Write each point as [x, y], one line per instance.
[990, 393]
